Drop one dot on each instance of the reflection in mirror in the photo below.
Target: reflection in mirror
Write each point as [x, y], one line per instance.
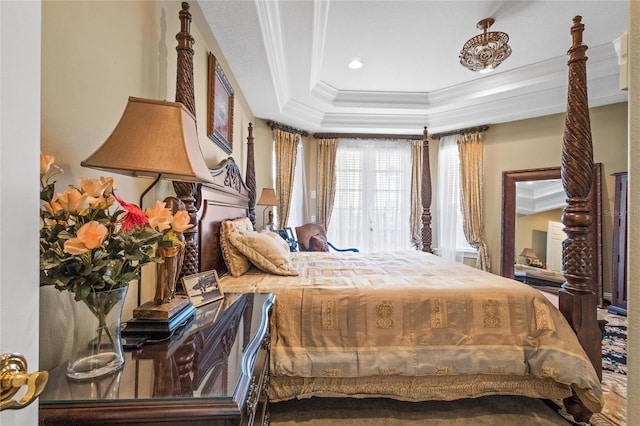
[538, 228]
[532, 231]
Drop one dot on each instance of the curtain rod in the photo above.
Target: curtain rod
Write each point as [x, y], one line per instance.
[364, 136]
[460, 132]
[279, 126]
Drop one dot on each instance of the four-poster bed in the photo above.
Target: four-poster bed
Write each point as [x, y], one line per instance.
[368, 317]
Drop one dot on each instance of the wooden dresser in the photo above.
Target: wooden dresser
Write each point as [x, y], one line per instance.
[214, 372]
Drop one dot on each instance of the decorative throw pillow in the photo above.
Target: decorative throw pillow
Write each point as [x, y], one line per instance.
[264, 251]
[277, 238]
[237, 263]
[318, 243]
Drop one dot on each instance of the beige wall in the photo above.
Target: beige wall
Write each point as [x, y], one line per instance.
[94, 56]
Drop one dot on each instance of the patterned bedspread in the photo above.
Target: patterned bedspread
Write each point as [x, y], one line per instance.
[413, 314]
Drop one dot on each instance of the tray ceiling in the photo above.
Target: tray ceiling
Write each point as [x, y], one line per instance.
[290, 58]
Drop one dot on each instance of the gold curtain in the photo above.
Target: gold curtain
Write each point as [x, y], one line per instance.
[327, 149]
[286, 144]
[416, 194]
[471, 154]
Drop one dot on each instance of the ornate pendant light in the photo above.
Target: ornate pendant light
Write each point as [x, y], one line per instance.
[485, 51]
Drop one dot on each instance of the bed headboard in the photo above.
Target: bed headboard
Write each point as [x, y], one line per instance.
[226, 198]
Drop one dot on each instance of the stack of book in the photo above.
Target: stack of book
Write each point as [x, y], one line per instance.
[160, 321]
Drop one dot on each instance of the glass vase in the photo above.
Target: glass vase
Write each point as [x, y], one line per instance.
[96, 347]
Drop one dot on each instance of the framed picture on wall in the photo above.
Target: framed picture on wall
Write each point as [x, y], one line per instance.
[219, 107]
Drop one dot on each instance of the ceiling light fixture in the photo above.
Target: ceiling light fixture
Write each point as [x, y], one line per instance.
[355, 64]
[485, 51]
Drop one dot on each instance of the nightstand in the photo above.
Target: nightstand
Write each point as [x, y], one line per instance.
[215, 371]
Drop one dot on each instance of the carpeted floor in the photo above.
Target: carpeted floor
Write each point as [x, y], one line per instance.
[493, 410]
[614, 372]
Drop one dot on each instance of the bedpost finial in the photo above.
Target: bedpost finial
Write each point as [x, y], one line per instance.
[577, 49]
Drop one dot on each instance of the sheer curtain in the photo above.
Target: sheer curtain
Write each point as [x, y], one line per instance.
[298, 214]
[447, 206]
[372, 204]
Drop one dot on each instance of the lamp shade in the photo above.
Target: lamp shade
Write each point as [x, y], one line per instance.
[529, 253]
[268, 197]
[153, 138]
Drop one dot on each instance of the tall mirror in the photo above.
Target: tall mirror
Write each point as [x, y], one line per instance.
[532, 235]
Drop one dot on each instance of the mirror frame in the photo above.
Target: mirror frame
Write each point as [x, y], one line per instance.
[509, 180]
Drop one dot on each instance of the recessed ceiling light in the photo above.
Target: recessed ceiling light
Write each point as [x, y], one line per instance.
[355, 64]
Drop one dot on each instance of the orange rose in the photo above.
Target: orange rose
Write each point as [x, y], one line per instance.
[109, 185]
[52, 207]
[181, 221]
[45, 162]
[159, 216]
[101, 203]
[94, 187]
[72, 201]
[90, 236]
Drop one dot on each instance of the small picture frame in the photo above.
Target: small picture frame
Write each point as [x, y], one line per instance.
[203, 288]
[219, 107]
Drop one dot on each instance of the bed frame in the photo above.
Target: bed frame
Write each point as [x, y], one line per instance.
[229, 197]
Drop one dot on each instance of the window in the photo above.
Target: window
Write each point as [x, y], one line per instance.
[452, 244]
[373, 195]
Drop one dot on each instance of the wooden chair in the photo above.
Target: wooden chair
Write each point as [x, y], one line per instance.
[313, 237]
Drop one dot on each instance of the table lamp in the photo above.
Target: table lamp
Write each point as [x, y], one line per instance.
[268, 198]
[531, 258]
[155, 139]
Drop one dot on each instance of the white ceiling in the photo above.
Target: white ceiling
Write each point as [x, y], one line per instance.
[536, 196]
[290, 58]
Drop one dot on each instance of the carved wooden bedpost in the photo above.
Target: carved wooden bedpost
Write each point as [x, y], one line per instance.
[184, 78]
[426, 194]
[577, 300]
[186, 191]
[250, 176]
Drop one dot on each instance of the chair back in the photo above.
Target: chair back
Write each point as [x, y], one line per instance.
[305, 234]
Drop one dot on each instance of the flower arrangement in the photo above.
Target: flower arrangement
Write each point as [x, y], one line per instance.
[87, 248]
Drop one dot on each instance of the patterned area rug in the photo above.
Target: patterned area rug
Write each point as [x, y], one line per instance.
[614, 372]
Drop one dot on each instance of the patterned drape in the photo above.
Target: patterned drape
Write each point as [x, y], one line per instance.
[416, 194]
[286, 145]
[471, 154]
[327, 149]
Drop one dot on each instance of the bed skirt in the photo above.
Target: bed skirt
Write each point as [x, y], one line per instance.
[415, 389]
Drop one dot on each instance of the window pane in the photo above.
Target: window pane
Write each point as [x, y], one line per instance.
[373, 189]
